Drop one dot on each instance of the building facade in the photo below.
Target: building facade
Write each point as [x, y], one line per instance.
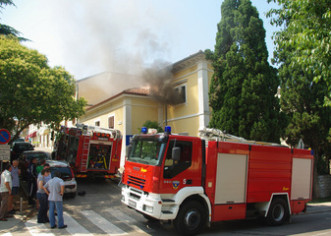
[128, 110]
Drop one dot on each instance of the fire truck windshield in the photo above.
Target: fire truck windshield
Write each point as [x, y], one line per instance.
[147, 149]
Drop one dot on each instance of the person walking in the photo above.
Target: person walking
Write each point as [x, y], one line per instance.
[32, 181]
[55, 190]
[15, 173]
[5, 190]
[42, 196]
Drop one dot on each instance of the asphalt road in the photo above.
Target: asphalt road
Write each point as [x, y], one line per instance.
[100, 212]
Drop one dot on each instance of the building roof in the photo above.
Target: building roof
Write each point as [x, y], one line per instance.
[189, 61]
[177, 66]
[132, 91]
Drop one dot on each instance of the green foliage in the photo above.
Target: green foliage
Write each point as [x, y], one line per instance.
[306, 37]
[244, 85]
[31, 92]
[303, 54]
[152, 125]
[6, 29]
[6, 2]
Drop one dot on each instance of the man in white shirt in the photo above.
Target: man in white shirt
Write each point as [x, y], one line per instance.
[5, 190]
[54, 188]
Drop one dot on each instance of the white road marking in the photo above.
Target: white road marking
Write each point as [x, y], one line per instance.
[122, 217]
[102, 223]
[74, 228]
[36, 229]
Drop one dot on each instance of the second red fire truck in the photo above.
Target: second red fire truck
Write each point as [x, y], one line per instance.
[193, 182]
[91, 151]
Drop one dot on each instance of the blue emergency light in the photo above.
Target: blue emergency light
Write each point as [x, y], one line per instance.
[167, 129]
[144, 130]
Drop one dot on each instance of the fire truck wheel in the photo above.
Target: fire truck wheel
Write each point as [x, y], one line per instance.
[278, 212]
[191, 218]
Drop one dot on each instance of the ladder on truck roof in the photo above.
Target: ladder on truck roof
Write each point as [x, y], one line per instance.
[218, 135]
[87, 129]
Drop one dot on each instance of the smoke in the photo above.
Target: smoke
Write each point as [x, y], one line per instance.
[159, 80]
[123, 39]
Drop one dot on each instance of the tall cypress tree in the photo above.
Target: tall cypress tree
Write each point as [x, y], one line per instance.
[243, 88]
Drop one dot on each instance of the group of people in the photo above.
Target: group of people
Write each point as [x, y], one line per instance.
[49, 192]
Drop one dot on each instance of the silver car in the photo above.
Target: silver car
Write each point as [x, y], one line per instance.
[67, 174]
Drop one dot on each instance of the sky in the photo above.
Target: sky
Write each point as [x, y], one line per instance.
[88, 37]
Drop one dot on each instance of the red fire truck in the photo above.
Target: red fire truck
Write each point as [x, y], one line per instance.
[193, 182]
[91, 151]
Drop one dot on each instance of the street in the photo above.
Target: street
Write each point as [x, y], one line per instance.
[100, 212]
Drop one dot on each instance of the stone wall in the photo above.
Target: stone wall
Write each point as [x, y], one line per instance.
[324, 186]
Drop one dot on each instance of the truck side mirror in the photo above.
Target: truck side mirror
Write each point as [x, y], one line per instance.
[128, 150]
[176, 153]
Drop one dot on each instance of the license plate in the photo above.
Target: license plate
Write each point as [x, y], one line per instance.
[132, 204]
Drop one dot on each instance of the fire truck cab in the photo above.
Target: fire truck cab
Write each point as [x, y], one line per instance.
[193, 182]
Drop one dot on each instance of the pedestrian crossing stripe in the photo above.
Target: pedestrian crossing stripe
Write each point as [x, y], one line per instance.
[36, 229]
[122, 217]
[102, 223]
[75, 228]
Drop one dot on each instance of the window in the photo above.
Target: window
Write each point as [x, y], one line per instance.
[181, 90]
[97, 123]
[173, 168]
[111, 122]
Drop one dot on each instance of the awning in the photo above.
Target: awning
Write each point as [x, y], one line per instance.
[32, 135]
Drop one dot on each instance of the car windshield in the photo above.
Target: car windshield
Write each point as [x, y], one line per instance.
[23, 146]
[147, 149]
[38, 155]
[65, 172]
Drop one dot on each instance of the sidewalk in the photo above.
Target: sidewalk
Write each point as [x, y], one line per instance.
[20, 216]
[313, 208]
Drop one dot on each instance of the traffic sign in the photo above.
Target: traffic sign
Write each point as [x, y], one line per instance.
[4, 136]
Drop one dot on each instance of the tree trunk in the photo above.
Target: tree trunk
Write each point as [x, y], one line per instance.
[316, 189]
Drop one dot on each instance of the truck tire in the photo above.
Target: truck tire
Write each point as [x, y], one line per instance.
[190, 219]
[278, 212]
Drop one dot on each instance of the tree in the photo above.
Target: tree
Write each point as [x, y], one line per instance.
[152, 125]
[305, 84]
[6, 29]
[307, 30]
[31, 92]
[243, 88]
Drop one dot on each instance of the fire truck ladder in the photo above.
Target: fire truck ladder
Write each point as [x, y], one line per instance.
[84, 160]
[219, 135]
[115, 134]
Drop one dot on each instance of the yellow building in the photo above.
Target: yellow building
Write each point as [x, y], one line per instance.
[128, 110]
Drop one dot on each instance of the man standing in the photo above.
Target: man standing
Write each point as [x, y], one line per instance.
[42, 196]
[5, 190]
[55, 190]
[15, 172]
[32, 181]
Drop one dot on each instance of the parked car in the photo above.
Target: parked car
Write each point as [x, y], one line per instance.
[18, 148]
[27, 156]
[67, 174]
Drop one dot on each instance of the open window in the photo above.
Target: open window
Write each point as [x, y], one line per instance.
[181, 90]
